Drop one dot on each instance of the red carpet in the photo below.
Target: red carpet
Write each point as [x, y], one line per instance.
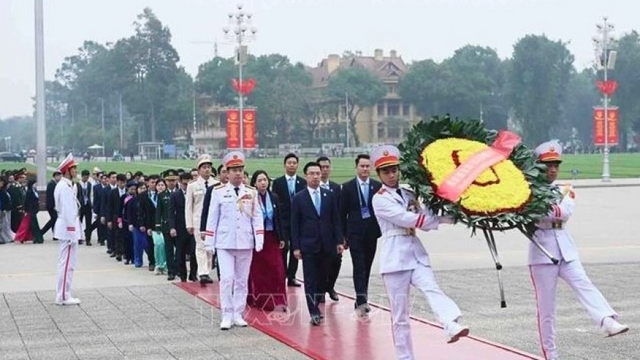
[342, 335]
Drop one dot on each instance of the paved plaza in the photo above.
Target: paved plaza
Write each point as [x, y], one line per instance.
[129, 313]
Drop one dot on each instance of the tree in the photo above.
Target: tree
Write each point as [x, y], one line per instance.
[628, 77]
[422, 85]
[539, 74]
[362, 88]
[582, 95]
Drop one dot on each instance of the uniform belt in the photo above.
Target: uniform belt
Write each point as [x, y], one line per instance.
[400, 232]
[553, 225]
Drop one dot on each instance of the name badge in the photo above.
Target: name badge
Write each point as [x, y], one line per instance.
[268, 225]
[364, 212]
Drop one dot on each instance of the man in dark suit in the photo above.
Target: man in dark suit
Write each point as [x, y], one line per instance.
[97, 204]
[333, 267]
[114, 214]
[316, 236]
[185, 242]
[51, 204]
[84, 199]
[112, 180]
[360, 228]
[285, 187]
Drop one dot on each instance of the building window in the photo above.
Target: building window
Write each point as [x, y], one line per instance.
[392, 89]
[406, 110]
[381, 132]
[381, 109]
[393, 108]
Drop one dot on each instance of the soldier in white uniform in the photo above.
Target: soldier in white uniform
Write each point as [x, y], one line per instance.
[234, 228]
[403, 259]
[193, 211]
[68, 230]
[553, 236]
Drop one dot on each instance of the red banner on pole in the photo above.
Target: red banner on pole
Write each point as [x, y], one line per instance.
[599, 126]
[233, 129]
[249, 128]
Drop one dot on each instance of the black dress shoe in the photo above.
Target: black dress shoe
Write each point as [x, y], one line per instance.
[112, 255]
[333, 295]
[205, 279]
[89, 244]
[293, 282]
[183, 279]
[118, 258]
[127, 262]
[171, 277]
[80, 242]
[315, 320]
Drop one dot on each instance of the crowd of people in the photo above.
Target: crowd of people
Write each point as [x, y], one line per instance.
[254, 231]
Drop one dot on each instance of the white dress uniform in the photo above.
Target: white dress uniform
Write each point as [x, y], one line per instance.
[404, 260]
[234, 228]
[68, 230]
[554, 237]
[194, 198]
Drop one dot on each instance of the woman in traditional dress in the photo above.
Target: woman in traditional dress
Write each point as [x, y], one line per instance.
[267, 290]
[6, 235]
[29, 228]
[161, 226]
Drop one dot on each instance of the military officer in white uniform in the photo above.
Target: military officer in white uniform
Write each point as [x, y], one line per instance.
[234, 228]
[193, 211]
[403, 259]
[68, 230]
[553, 236]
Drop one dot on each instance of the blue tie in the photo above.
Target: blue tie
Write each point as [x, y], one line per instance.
[365, 192]
[316, 200]
[292, 187]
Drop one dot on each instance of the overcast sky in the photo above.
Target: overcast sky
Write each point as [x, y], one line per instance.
[304, 30]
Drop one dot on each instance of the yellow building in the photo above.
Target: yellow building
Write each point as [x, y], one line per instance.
[388, 120]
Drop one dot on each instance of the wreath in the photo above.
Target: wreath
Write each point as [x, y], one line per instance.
[483, 178]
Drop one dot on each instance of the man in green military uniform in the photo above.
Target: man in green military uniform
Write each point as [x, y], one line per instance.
[17, 191]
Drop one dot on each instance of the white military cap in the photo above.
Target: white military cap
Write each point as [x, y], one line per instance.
[233, 159]
[204, 159]
[550, 151]
[384, 156]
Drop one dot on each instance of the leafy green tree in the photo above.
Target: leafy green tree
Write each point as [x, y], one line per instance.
[363, 89]
[627, 75]
[539, 74]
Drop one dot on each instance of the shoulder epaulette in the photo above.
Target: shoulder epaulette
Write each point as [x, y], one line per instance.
[192, 181]
[219, 186]
[408, 190]
[381, 191]
[250, 187]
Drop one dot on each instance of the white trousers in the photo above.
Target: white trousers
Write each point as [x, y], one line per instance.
[5, 227]
[545, 279]
[203, 257]
[398, 290]
[67, 254]
[234, 276]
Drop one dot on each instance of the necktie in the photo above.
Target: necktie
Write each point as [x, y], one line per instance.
[326, 186]
[292, 186]
[399, 192]
[236, 190]
[316, 200]
[365, 192]
[206, 183]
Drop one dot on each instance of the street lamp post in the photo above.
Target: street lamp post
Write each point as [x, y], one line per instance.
[102, 119]
[41, 139]
[239, 32]
[605, 61]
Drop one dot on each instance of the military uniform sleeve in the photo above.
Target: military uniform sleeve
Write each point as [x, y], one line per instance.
[386, 208]
[257, 221]
[66, 210]
[188, 206]
[213, 218]
[564, 209]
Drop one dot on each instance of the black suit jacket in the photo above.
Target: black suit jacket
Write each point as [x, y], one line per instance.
[206, 202]
[31, 205]
[281, 189]
[80, 199]
[354, 226]
[311, 233]
[51, 202]
[176, 213]
[105, 202]
[114, 205]
[97, 198]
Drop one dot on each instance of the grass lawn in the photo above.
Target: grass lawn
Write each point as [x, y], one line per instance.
[588, 166]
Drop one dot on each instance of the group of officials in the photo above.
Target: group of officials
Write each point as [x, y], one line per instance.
[225, 221]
